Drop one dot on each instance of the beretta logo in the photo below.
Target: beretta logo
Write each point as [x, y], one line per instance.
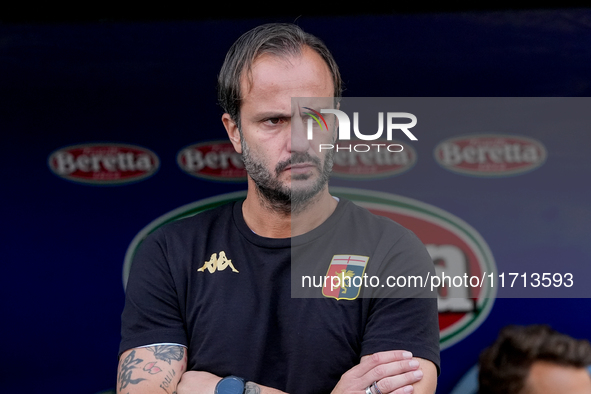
[376, 163]
[103, 163]
[214, 160]
[455, 247]
[490, 155]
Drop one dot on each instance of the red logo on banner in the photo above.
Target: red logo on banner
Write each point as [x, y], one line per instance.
[382, 159]
[103, 163]
[490, 155]
[214, 160]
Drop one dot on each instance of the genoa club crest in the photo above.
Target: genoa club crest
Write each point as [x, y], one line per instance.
[345, 276]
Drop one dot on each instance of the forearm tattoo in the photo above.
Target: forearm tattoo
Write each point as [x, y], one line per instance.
[251, 388]
[167, 352]
[129, 363]
[167, 384]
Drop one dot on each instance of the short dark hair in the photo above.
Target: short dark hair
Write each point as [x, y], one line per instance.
[279, 39]
[505, 365]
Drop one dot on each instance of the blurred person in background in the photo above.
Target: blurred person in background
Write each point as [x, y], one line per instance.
[535, 359]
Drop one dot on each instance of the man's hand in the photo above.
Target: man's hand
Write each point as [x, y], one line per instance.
[395, 371]
[198, 382]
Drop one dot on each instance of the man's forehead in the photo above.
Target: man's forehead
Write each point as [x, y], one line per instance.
[307, 62]
[547, 377]
[307, 104]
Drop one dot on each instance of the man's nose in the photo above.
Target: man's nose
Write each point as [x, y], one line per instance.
[298, 140]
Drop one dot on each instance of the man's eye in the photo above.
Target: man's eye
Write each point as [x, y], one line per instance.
[273, 121]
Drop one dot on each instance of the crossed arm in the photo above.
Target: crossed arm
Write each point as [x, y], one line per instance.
[152, 369]
[162, 368]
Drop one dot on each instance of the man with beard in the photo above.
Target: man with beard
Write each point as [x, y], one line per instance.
[209, 307]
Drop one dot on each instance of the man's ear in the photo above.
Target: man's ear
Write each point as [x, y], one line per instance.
[233, 132]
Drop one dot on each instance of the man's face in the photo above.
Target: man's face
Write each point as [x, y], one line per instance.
[549, 378]
[285, 166]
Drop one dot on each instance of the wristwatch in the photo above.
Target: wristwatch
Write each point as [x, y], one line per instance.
[230, 385]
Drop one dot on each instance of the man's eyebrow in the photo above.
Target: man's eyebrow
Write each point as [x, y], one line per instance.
[267, 115]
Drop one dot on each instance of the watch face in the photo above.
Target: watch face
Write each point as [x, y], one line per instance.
[230, 385]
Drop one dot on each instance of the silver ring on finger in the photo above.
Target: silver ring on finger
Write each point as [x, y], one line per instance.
[375, 386]
[368, 390]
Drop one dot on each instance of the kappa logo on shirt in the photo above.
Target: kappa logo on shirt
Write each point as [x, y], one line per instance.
[218, 263]
[347, 271]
